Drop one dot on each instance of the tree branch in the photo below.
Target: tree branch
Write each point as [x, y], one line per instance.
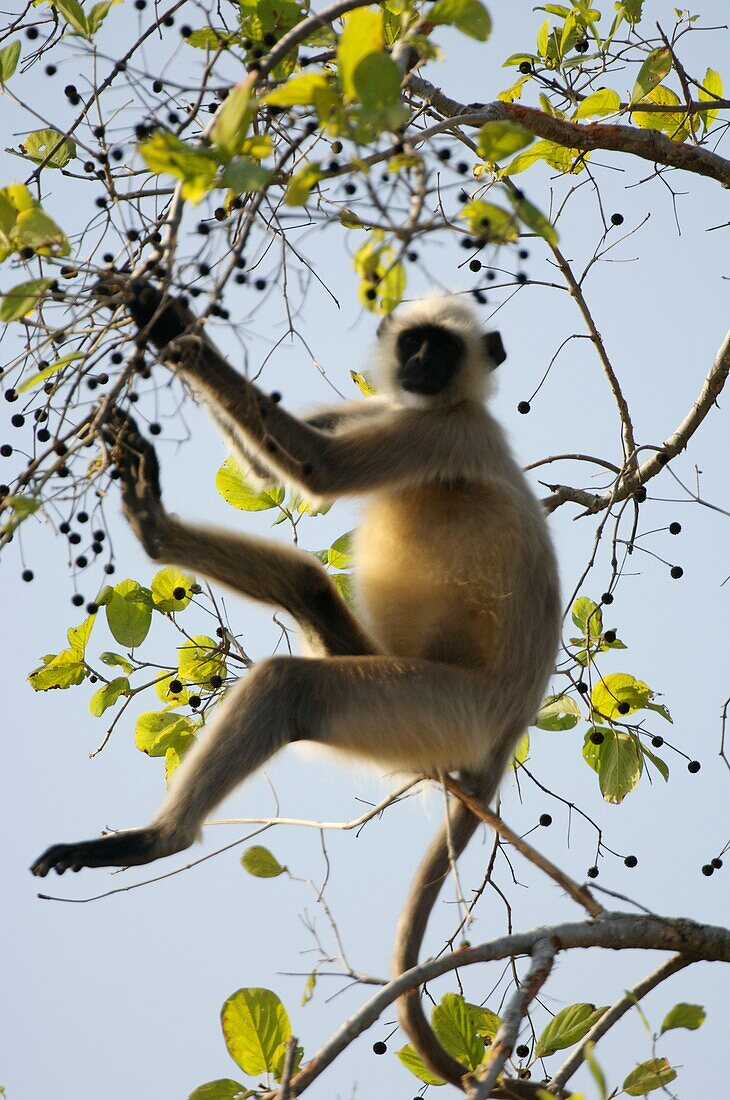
[648, 145]
[612, 931]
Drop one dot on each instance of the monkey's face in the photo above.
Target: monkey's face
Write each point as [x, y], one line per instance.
[429, 359]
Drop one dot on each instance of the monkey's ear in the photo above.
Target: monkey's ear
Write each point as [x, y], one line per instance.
[494, 347]
[383, 326]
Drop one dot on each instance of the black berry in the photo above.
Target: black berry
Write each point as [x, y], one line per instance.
[27, 574]
[596, 737]
[675, 528]
[606, 598]
[523, 407]
[379, 1048]
[77, 599]
[592, 872]
[582, 687]
[525, 67]
[623, 708]
[178, 593]
[609, 635]
[175, 687]
[694, 766]
[545, 820]
[215, 682]
[630, 861]
[676, 572]
[657, 741]
[522, 1051]
[617, 219]
[708, 869]
[716, 863]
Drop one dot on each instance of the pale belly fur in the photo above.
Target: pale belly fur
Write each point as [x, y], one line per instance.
[421, 592]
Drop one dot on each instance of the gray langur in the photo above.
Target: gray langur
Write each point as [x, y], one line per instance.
[456, 580]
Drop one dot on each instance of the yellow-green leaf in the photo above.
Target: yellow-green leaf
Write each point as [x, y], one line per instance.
[158, 731]
[298, 91]
[300, 185]
[59, 670]
[603, 102]
[74, 15]
[496, 140]
[37, 144]
[362, 35]
[255, 1027]
[239, 493]
[33, 380]
[453, 1023]
[107, 695]
[9, 61]
[650, 1075]
[684, 1015]
[711, 89]
[567, 1027]
[413, 1062]
[670, 122]
[196, 168]
[620, 764]
[243, 175]
[652, 72]
[201, 660]
[620, 688]
[232, 120]
[468, 16]
[533, 218]
[22, 299]
[129, 613]
[166, 583]
[221, 1089]
[260, 863]
[488, 222]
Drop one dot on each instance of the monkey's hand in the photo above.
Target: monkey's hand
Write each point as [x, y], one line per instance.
[126, 849]
[137, 463]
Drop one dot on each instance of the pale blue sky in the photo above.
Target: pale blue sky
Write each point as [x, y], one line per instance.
[120, 997]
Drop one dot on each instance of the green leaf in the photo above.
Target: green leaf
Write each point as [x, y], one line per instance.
[650, 1075]
[31, 226]
[490, 223]
[201, 660]
[542, 38]
[468, 16]
[671, 122]
[558, 712]
[344, 585]
[595, 1070]
[620, 688]
[362, 35]
[309, 986]
[453, 1023]
[299, 91]
[377, 81]
[115, 660]
[568, 1027]
[158, 730]
[9, 61]
[522, 751]
[496, 140]
[534, 219]
[129, 613]
[33, 380]
[255, 1027]
[213, 38]
[62, 670]
[244, 175]
[22, 299]
[79, 635]
[632, 10]
[603, 102]
[222, 1089]
[509, 95]
[484, 1022]
[656, 66]
[165, 583]
[301, 184]
[661, 765]
[620, 765]
[165, 154]
[20, 509]
[74, 15]
[260, 863]
[588, 617]
[568, 161]
[339, 555]
[414, 1064]
[236, 491]
[711, 89]
[107, 695]
[99, 12]
[684, 1015]
[232, 120]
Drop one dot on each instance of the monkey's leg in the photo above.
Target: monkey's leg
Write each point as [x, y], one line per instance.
[417, 715]
[265, 571]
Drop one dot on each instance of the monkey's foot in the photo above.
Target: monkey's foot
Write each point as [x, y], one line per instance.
[137, 462]
[126, 849]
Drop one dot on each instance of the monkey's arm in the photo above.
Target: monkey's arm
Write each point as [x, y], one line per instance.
[363, 457]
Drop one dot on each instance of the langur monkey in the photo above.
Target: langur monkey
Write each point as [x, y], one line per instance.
[456, 578]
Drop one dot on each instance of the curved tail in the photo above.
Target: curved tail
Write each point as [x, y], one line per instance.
[425, 889]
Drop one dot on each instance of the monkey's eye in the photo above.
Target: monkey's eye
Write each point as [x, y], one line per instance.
[409, 343]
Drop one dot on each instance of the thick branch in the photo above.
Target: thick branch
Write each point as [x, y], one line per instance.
[614, 931]
[648, 145]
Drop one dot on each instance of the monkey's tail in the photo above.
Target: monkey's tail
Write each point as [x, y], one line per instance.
[424, 891]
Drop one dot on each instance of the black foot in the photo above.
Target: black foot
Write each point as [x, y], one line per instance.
[119, 850]
[137, 462]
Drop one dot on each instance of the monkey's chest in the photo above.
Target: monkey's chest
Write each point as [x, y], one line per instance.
[431, 579]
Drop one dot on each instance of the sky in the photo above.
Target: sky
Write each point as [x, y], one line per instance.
[120, 996]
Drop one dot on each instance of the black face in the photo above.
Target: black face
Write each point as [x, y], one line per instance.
[428, 359]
